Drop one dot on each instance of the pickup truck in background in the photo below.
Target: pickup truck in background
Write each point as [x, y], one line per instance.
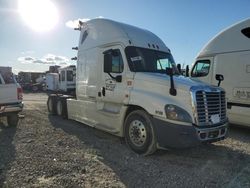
[11, 96]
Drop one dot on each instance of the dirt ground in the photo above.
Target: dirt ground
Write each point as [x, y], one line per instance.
[47, 151]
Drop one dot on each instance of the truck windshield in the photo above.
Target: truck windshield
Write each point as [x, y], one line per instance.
[148, 60]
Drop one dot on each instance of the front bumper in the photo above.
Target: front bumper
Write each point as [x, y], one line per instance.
[10, 108]
[170, 135]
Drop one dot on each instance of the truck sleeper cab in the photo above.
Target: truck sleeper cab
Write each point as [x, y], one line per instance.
[122, 88]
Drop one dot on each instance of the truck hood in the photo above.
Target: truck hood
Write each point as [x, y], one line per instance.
[180, 82]
[152, 89]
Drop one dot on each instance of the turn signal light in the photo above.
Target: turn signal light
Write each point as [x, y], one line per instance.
[19, 93]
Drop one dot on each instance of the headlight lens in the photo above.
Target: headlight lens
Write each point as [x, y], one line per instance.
[176, 113]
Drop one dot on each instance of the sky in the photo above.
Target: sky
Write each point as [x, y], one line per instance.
[185, 26]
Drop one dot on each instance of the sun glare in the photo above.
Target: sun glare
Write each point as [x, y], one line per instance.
[40, 15]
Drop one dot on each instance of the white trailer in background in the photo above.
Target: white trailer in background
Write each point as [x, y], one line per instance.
[127, 84]
[228, 54]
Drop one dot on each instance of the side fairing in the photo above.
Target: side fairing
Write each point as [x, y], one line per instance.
[87, 73]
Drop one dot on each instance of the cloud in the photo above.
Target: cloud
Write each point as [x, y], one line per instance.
[26, 59]
[75, 23]
[37, 61]
[28, 52]
[49, 59]
[52, 57]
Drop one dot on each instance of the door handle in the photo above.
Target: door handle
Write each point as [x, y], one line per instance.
[103, 91]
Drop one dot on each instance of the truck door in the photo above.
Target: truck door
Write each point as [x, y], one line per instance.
[203, 70]
[62, 80]
[112, 88]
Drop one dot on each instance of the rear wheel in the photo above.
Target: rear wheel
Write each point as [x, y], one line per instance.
[51, 104]
[61, 107]
[12, 119]
[139, 133]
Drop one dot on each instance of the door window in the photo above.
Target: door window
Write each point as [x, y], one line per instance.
[70, 75]
[201, 68]
[117, 62]
[63, 76]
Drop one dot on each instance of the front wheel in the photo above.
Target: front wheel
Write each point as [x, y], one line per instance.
[12, 120]
[139, 132]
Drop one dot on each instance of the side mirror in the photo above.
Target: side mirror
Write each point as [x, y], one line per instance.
[169, 71]
[107, 63]
[187, 71]
[219, 77]
[172, 90]
[108, 59]
[179, 68]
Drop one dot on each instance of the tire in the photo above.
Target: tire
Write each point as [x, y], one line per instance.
[35, 88]
[51, 104]
[44, 88]
[139, 132]
[12, 120]
[61, 107]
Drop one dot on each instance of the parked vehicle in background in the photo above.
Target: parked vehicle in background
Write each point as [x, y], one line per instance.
[62, 82]
[127, 84]
[228, 54]
[52, 81]
[10, 96]
[32, 81]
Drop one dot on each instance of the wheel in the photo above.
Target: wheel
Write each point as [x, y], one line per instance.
[51, 104]
[35, 88]
[61, 107]
[139, 132]
[44, 88]
[12, 119]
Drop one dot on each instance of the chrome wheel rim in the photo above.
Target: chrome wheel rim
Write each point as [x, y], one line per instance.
[137, 133]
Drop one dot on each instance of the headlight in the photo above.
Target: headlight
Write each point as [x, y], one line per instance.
[176, 113]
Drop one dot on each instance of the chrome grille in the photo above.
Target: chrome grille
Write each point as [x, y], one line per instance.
[210, 107]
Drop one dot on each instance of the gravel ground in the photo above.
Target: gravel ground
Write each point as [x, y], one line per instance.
[47, 151]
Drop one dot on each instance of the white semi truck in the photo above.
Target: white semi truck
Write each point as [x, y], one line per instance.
[228, 54]
[128, 85]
